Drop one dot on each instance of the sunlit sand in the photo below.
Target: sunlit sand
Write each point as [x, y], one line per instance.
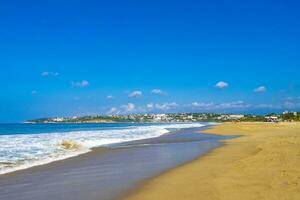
[261, 164]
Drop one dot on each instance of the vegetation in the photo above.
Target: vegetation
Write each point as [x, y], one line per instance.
[173, 117]
[254, 118]
[291, 116]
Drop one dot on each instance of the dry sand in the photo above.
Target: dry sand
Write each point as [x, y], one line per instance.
[262, 164]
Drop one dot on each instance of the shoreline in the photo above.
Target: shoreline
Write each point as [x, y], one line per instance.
[260, 164]
[78, 149]
[107, 173]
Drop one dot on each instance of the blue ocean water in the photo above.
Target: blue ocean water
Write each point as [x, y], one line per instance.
[20, 128]
[27, 145]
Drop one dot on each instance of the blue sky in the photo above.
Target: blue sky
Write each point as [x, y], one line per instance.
[65, 58]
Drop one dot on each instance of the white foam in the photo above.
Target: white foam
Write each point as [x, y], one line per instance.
[23, 151]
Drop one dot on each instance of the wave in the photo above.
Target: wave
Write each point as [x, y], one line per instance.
[70, 145]
[23, 151]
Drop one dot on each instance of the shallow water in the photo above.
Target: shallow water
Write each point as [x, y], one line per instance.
[26, 145]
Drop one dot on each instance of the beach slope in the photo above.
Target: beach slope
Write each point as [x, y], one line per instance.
[264, 163]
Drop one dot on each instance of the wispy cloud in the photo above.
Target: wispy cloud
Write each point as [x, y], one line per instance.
[150, 106]
[217, 106]
[260, 89]
[128, 108]
[109, 97]
[231, 106]
[136, 93]
[234, 104]
[292, 98]
[33, 92]
[267, 106]
[202, 105]
[123, 109]
[241, 105]
[80, 84]
[222, 85]
[113, 110]
[158, 92]
[166, 106]
[159, 106]
[291, 104]
[49, 73]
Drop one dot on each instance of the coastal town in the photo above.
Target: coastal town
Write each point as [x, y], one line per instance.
[172, 117]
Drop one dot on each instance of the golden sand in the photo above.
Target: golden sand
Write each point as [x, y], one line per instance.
[263, 164]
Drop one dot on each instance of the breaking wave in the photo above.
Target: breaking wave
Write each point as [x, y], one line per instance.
[22, 151]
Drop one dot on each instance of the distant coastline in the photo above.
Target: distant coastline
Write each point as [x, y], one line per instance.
[173, 117]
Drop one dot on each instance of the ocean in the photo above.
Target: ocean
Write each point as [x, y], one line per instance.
[27, 145]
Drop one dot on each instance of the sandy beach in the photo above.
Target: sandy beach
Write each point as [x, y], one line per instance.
[261, 164]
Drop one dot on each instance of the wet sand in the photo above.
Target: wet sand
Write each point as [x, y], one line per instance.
[106, 173]
[262, 164]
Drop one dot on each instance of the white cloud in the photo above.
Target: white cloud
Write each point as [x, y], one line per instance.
[49, 74]
[136, 93]
[132, 108]
[216, 106]
[291, 105]
[123, 109]
[267, 106]
[113, 110]
[45, 74]
[234, 104]
[128, 107]
[150, 106]
[260, 89]
[166, 106]
[222, 85]
[288, 103]
[158, 92]
[109, 97]
[289, 98]
[202, 105]
[292, 98]
[80, 84]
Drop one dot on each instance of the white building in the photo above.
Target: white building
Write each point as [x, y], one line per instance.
[236, 116]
